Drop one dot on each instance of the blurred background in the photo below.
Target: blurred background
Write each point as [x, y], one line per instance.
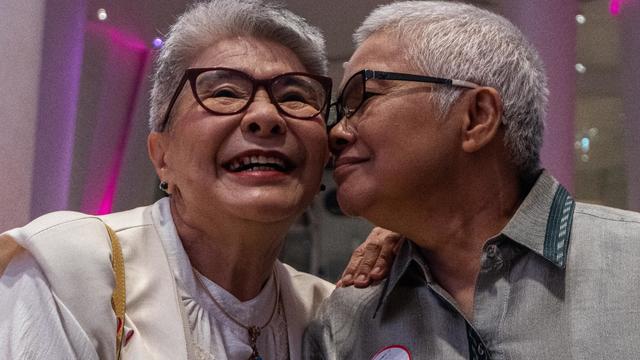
[74, 84]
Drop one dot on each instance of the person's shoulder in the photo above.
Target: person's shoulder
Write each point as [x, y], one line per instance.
[307, 282]
[601, 231]
[49, 222]
[129, 219]
[70, 242]
[65, 220]
[605, 213]
[349, 302]
[615, 223]
[69, 224]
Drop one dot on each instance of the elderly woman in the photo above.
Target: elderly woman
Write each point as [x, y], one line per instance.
[239, 143]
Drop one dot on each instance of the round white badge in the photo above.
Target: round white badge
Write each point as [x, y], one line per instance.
[393, 352]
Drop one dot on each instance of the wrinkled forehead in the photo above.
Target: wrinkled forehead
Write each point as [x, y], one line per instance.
[258, 57]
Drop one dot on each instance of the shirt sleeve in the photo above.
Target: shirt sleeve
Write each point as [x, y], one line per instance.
[33, 323]
[317, 343]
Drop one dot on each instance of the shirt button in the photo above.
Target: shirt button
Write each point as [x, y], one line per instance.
[491, 259]
[492, 251]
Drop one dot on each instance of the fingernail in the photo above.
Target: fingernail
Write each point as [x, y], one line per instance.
[377, 270]
[361, 277]
[347, 278]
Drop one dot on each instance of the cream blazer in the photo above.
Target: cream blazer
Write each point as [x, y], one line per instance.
[73, 250]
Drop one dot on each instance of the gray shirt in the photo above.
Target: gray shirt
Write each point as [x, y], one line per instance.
[561, 281]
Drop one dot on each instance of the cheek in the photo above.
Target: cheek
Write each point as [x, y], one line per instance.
[322, 153]
[317, 154]
[194, 150]
[315, 141]
[191, 149]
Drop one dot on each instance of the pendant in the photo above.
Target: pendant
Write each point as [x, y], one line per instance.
[254, 332]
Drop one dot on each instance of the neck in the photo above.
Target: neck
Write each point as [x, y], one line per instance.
[453, 225]
[236, 254]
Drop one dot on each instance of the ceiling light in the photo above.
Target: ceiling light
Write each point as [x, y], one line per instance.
[102, 14]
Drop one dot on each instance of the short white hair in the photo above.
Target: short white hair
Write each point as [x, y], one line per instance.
[206, 23]
[461, 41]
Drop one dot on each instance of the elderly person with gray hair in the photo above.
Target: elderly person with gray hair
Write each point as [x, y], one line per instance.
[441, 118]
[239, 142]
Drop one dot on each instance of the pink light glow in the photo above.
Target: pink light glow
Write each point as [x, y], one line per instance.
[119, 41]
[117, 36]
[106, 205]
[615, 6]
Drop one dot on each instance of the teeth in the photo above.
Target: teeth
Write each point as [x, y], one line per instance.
[256, 160]
[234, 165]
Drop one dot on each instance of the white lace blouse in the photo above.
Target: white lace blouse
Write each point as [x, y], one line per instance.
[213, 331]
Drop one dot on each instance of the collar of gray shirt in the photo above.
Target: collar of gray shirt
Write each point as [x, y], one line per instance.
[541, 224]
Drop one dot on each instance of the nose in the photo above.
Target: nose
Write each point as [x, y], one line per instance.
[262, 118]
[341, 136]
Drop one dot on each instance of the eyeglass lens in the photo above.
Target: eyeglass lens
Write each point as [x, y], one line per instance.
[353, 94]
[350, 99]
[227, 92]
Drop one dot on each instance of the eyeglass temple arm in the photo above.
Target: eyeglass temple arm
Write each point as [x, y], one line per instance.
[463, 83]
[383, 75]
[174, 98]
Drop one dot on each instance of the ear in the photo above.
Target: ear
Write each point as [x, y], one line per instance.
[484, 114]
[156, 146]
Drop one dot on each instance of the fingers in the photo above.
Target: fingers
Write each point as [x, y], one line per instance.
[372, 260]
[366, 266]
[391, 243]
[352, 267]
[381, 249]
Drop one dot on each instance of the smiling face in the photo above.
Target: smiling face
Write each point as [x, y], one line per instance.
[258, 165]
[393, 153]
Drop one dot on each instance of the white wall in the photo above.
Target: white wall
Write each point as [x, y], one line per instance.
[21, 42]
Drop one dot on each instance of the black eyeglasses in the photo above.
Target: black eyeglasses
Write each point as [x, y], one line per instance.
[355, 93]
[223, 91]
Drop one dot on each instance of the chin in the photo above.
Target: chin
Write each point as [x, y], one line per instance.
[353, 204]
[270, 209]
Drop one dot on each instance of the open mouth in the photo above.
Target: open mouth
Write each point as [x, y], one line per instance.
[259, 163]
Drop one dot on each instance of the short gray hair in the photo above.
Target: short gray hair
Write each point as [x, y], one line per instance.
[206, 23]
[461, 41]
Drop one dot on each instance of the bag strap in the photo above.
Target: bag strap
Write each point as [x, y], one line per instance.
[118, 298]
[9, 248]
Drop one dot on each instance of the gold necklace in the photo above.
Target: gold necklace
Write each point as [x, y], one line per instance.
[253, 330]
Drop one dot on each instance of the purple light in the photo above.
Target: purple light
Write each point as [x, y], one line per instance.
[157, 43]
